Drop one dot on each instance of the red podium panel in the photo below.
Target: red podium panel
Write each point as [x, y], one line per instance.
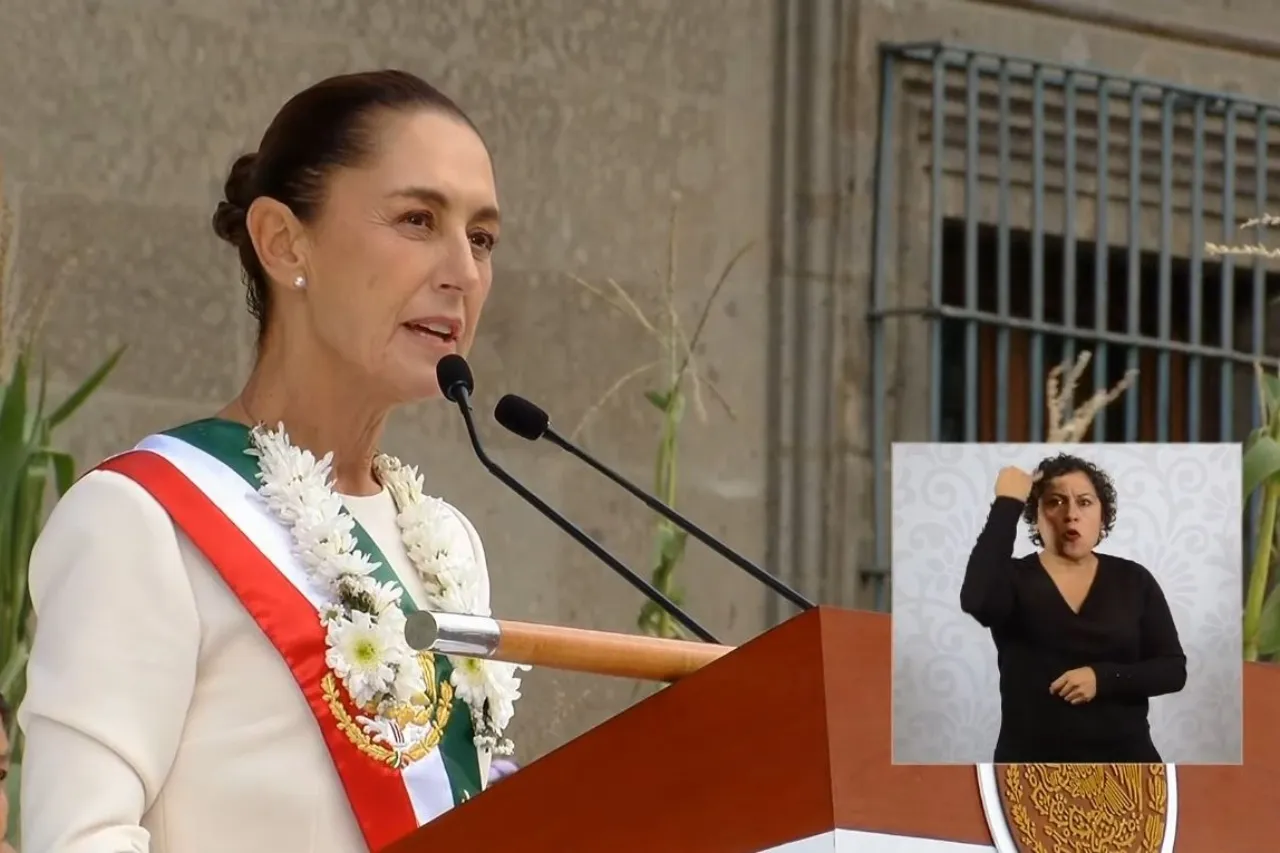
[789, 737]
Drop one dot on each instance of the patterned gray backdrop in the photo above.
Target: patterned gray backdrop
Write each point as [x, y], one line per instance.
[1179, 514]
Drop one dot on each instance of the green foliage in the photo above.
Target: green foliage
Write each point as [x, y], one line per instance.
[681, 386]
[669, 540]
[29, 464]
[14, 783]
[1261, 476]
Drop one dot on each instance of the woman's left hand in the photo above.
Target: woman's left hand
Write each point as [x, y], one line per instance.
[1076, 685]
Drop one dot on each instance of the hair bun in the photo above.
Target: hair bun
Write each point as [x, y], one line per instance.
[239, 192]
[229, 222]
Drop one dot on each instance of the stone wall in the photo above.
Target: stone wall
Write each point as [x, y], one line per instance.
[1217, 45]
[119, 119]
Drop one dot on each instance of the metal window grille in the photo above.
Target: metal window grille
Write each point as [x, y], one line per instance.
[1027, 210]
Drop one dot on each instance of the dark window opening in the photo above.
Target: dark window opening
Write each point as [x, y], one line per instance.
[1205, 423]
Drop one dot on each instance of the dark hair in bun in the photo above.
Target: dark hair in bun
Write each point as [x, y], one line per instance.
[238, 194]
[325, 127]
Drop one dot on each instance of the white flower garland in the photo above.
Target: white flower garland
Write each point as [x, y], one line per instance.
[363, 621]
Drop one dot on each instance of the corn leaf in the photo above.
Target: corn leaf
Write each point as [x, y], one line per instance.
[1254, 435]
[64, 470]
[77, 397]
[15, 445]
[1269, 626]
[42, 397]
[13, 668]
[13, 412]
[14, 783]
[657, 399]
[28, 461]
[1261, 463]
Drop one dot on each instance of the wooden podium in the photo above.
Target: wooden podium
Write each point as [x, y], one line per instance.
[789, 738]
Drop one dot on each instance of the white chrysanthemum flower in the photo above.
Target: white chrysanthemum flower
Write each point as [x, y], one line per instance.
[353, 588]
[502, 689]
[441, 553]
[439, 573]
[409, 476]
[362, 656]
[410, 683]
[331, 613]
[279, 460]
[365, 625]
[393, 619]
[350, 564]
[470, 681]
[386, 601]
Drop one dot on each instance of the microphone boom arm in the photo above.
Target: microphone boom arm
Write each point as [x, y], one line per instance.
[685, 524]
[460, 394]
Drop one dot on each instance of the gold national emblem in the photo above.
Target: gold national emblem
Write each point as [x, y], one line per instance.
[1085, 808]
[401, 734]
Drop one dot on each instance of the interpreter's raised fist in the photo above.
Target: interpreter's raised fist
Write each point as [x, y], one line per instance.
[1015, 483]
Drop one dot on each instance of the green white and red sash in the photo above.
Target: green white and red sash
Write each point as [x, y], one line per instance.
[206, 482]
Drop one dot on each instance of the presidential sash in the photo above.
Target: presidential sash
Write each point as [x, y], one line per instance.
[207, 483]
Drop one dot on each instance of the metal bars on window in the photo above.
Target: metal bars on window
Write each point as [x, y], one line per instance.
[1026, 211]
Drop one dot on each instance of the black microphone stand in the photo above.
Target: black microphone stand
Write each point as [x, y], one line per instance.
[685, 524]
[461, 395]
[529, 421]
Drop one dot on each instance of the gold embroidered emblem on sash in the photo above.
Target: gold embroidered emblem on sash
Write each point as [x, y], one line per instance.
[403, 733]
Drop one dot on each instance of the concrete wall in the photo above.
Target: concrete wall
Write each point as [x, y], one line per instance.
[119, 119]
[1202, 45]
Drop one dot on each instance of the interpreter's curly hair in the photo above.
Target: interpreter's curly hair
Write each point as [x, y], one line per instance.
[1064, 463]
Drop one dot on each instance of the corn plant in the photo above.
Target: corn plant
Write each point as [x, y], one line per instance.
[29, 464]
[1262, 479]
[679, 384]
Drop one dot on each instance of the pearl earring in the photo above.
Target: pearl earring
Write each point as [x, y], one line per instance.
[300, 282]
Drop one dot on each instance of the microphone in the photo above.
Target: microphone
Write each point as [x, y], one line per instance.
[529, 421]
[454, 377]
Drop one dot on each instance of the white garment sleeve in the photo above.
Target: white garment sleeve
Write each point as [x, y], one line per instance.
[112, 669]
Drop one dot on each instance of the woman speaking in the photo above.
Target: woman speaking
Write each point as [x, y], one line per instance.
[1083, 639]
[220, 661]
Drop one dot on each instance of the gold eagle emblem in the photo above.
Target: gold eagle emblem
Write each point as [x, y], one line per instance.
[401, 734]
[1086, 808]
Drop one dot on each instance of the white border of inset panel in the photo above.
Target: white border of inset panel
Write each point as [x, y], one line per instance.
[859, 841]
[993, 808]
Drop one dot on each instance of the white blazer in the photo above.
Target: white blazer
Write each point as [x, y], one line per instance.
[158, 716]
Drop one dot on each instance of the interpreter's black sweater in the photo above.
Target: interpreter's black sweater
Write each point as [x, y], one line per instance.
[1124, 631]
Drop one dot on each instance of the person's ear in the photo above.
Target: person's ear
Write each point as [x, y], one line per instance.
[279, 238]
[1044, 529]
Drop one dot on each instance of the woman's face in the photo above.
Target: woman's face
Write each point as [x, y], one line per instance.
[1070, 516]
[398, 262]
